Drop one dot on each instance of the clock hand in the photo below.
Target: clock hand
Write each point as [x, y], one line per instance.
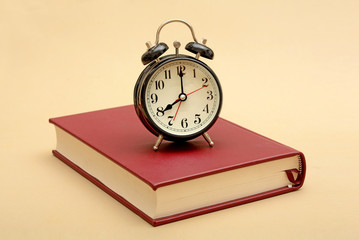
[197, 90]
[179, 99]
[177, 111]
[169, 106]
[182, 98]
[181, 73]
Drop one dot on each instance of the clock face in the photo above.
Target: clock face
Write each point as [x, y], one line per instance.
[182, 98]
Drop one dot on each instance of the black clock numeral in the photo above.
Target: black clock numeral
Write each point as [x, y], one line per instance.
[194, 73]
[204, 80]
[167, 74]
[160, 112]
[180, 69]
[205, 109]
[197, 119]
[210, 95]
[170, 122]
[154, 98]
[184, 123]
[160, 84]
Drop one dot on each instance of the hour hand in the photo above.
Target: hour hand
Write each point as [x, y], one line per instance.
[169, 106]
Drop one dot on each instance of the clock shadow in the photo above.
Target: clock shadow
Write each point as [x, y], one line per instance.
[186, 146]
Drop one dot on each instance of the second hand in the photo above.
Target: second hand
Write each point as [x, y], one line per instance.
[186, 96]
[178, 99]
[196, 90]
[177, 111]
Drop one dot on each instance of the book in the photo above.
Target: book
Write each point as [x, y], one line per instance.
[113, 150]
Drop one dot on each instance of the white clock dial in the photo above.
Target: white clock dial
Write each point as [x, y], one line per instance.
[182, 98]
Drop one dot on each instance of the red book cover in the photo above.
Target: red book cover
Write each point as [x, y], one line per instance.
[118, 134]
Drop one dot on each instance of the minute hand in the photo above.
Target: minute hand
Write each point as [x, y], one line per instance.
[181, 73]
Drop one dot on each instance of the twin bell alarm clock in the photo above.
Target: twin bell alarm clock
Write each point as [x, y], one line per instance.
[177, 97]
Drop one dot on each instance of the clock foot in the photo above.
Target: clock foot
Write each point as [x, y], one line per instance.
[158, 142]
[208, 139]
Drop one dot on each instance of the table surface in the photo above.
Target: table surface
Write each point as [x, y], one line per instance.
[289, 70]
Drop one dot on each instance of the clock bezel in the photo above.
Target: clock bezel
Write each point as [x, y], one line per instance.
[140, 100]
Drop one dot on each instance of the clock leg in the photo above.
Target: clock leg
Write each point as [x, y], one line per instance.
[208, 139]
[158, 142]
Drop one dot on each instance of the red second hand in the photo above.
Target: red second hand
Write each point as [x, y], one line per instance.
[196, 90]
[191, 92]
[186, 96]
[177, 110]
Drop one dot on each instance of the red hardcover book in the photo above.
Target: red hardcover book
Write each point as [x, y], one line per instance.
[113, 150]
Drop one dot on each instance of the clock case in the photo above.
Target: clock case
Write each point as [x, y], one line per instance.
[140, 101]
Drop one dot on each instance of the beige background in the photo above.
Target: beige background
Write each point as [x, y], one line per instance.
[289, 70]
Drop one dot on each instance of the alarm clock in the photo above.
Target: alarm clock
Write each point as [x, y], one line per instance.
[177, 97]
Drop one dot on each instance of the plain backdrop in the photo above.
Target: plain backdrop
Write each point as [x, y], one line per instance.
[289, 70]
